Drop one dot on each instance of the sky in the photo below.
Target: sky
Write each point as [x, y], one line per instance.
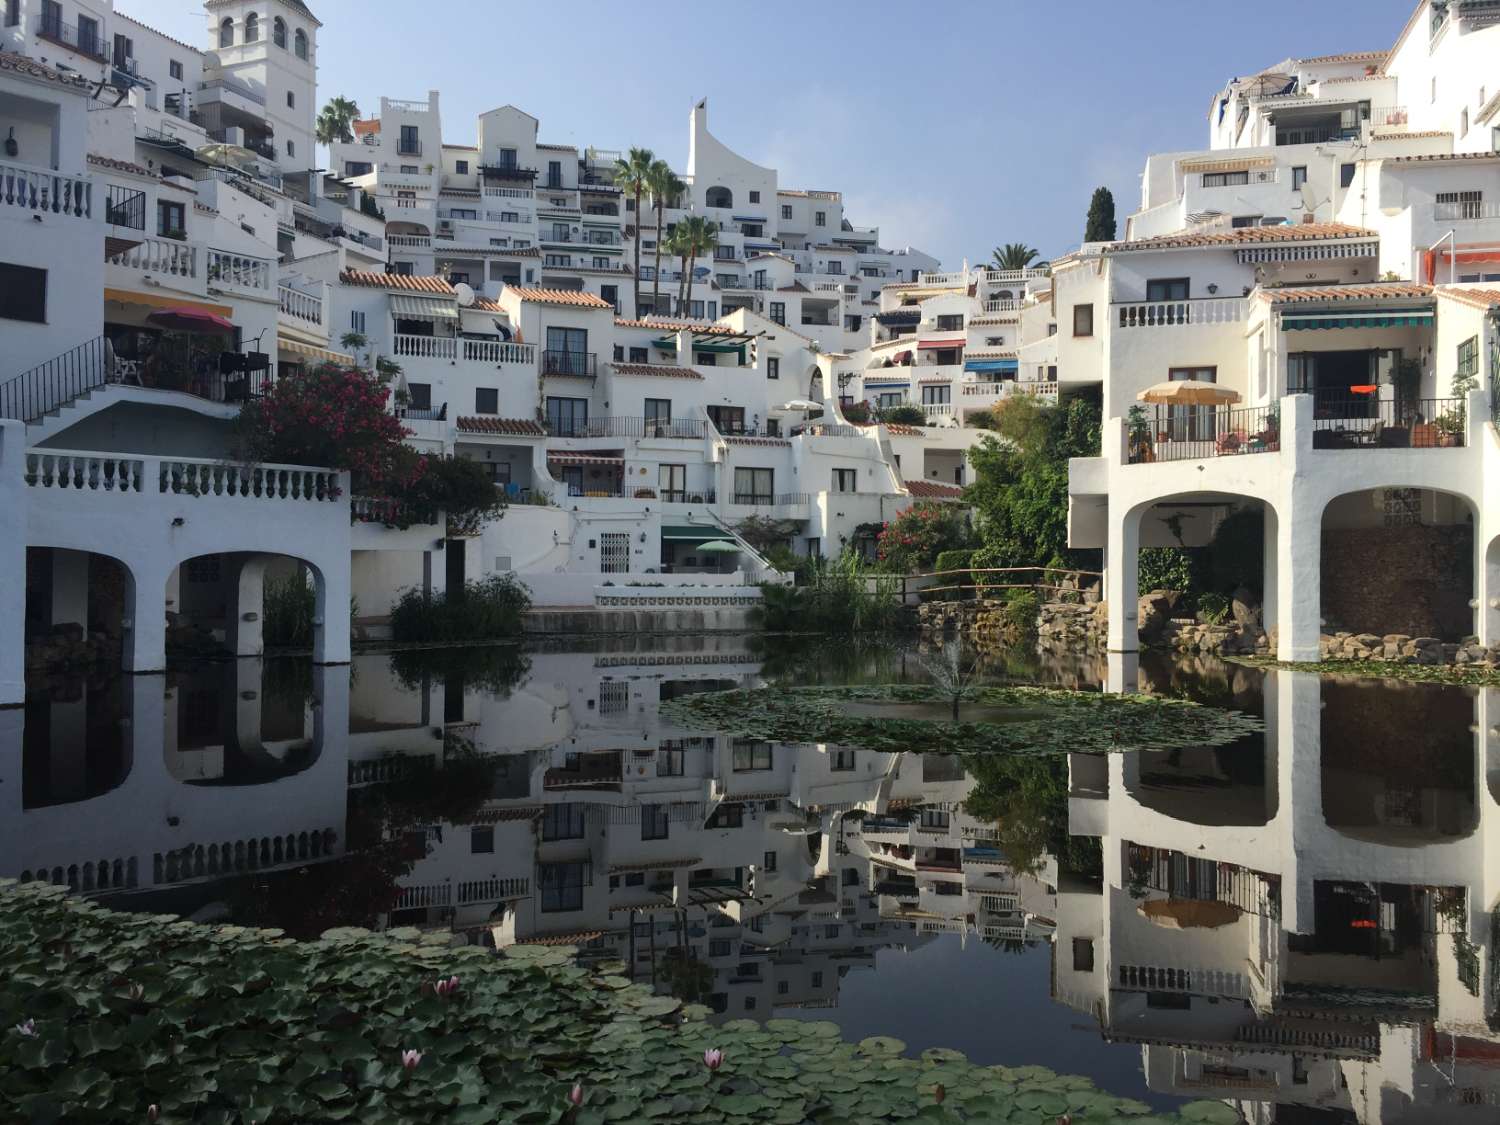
[954, 126]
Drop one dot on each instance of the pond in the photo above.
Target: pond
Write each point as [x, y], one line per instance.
[1300, 923]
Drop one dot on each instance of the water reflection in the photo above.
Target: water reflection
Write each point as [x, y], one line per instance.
[1302, 924]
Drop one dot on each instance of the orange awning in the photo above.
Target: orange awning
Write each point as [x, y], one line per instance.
[164, 301]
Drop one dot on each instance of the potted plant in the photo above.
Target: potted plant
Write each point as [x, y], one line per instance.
[1450, 427]
[1406, 378]
[1139, 430]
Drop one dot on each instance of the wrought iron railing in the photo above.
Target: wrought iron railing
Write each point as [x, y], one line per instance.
[125, 207]
[1372, 423]
[1191, 433]
[55, 383]
[570, 363]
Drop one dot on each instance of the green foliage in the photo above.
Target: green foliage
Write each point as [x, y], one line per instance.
[1020, 488]
[457, 486]
[1013, 256]
[493, 669]
[1026, 799]
[839, 598]
[287, 612]
[1236, 556]
[765, 532]
[1213, 608]
[856, 413]
[906, 414]
[230, 1024]
[1166, 568]
[485, 609]
[911, 543]
[1044, 720]
[1022, 607]
[980, 419]
[1100, 226]
[786, 560]
[958, 559]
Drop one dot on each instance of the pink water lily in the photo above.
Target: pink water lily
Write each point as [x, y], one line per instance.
[410, 1059]
[153, 1112]
[446, 988]
[713, 1058]
[575, 1095]
[27, 1029]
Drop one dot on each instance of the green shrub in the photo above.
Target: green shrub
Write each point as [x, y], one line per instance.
[1021, 610]
[786, 560]
[913, 540]
[287, 612]
[483, 610]
[907, 414]
[957, 560]
[1236, 557]
[1213, 608]
[1166, 568]
[841, 597]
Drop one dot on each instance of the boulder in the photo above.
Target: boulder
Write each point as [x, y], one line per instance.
[1153, 613]
[1243, 608]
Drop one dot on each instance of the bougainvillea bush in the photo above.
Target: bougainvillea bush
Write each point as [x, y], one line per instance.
[110, 1017]
[912, 541]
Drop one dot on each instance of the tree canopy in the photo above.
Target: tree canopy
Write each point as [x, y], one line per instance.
[1101, 220]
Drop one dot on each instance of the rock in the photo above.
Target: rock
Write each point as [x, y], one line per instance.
[1243, 609]
[1153, 612]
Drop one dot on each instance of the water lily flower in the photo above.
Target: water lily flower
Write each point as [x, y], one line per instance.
[27, 1029]
[153, 1111]
[575, 1095]
[938, 1093]
[453, 983]
[410, 1059]
[441, 988]
[713, 1058]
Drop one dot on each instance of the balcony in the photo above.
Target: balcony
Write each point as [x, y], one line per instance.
[1466, 210]
[1158, 314]
[125, 207]
[409, 241]
[39, 191]
[425, 347]
[167, 257]
[497, 352]
[409, 148]
[300, 306]
[1193, 433]
[1001, 306]
[1428, 423]
[85, 39]
[585, 364]
[239, 272]
[689, 428]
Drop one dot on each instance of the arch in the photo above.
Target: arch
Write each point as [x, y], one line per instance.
[252, 28]
[278, 32]
[1004, 295]
[718, 196]
[299, 44]
[1487, 588]
[226, 32]
[1212, 787]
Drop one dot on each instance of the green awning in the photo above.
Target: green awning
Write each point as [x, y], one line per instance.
[669, 344]
[1290, 321]
[702, 534]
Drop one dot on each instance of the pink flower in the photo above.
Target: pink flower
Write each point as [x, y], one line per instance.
[410, 1059]
[153, 1111]
[26, 1030]
[713, 1058]
[575, 1095]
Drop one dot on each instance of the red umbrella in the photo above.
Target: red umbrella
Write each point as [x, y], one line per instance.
[185, 319]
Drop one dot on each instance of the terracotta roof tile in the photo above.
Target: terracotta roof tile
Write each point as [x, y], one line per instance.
[992, 353]
[1412, 136]
[560, 297]
[900, 429]
[677, 326]
[557, 148]
[131, 19]
[1349, 57]
[1245, 236]
[1438, 157]
[660, 370]
[511, 427]
[121, 166]
[757, 441]
[409, 282]
[366, 128]
[933, 490]
[461, 148]
[1393, 290]
[794, 287]
[19, 64]
[1481, 298]
[485, 304]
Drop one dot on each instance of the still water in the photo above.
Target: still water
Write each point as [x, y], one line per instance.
[1302, 923]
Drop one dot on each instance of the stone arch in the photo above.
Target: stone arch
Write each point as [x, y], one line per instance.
[226, 32]
[92, 590]
[232, 603]
[718, 196]
[1429, 539]
[1487, 587]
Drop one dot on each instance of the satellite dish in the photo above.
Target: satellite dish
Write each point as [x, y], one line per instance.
[465, 294]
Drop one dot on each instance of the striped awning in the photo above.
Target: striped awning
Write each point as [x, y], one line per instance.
[930, 344]
[423, 308]
[165, 301]
[1408, 319]
[992, 365]
[569, 457]
[311, 351]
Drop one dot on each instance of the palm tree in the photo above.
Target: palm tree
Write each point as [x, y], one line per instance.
[336, 121]
[1014, 256]
[702, 236]
[680, 245]
[664, 185]
[633, 174]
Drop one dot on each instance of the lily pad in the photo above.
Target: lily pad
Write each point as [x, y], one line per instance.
[881, 1045]
[1211, 1113]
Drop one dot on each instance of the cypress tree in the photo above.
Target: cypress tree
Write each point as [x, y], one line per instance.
[1101, 224]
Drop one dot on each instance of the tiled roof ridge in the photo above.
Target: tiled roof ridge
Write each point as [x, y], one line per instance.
[576, 297]
[412, 283]
[489, 424]
[1246, 236]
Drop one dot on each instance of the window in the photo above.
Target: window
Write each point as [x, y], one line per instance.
[1461, 204]
[778, 312]
[562, 822]
[1167, 289]
[720, 947]
[562, 885]
[748, 757]
[124, 49]
[567, 417]
[639, 355]
[755, 197]
[841, 761]
[773, 367]
[845, 480]
[461, 167]
[1083, 320]
[252, 28]
[482, 839]
[1346, 175]
[226, 32]
[1225, 179]
[937, 394]
[671, 763]
[786, 211]
[299, 44]
[654, 822]
[817, 978]
[171, 218]
[820, 218]
[671, 485]
[357, 322]
[749, 1003]
[727, 816]
[12, 12]
[1239, 222]
[768, 862]
[291, 100]
[658, 416]
[174, 68]
[934, 818]
[558, 260]
[419, 396]
[23, 293]
[727, 419]
[1468, 357]
[486, 400]
[278, 32]
[706, 359]
[753, 486]
[1299, 178]
[951, 322]
[291, 148]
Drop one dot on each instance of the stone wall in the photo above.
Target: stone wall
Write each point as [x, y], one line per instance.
[1399, 580]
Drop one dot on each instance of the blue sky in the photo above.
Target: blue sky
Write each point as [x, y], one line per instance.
[954, 126]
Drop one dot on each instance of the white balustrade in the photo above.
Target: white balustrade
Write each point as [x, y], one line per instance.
[194, 477]
[493, 889]
[409, 241]
[435, 894]
[1159, 314]
[426, 347]
[403, 106]
[39, 190]
[159, 255]
[1001, 306]
[499, 351]
[508, 192]
[303, 306]
[239, 271]
[983, 388]
[84, 472]
[938, 409]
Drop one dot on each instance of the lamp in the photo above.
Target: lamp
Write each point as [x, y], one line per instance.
[1212, 289]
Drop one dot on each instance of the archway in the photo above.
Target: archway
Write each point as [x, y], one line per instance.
[76, 741]
[241, 722]
[79, 606]
[1398, 562]
[243, 603]
[1214, 787]
[718, 196]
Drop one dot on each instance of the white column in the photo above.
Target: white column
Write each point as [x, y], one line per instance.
[70, 588]
[245, 592]
[1299, 538]
[331, 615]
[1270, 570]
[146, 621]
[1298, 725]
[1122, 672]
[1121, 579]
[1486, 584]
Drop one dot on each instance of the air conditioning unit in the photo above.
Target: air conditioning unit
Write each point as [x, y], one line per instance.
[445, 224]
[234, 135]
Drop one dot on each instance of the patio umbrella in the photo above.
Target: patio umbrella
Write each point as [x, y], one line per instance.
[237, 155]
[796, 405]
[718, 547]
[1189, 392]
[1189, 914]
[186, 319]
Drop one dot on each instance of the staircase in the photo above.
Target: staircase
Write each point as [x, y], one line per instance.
[50, 386]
